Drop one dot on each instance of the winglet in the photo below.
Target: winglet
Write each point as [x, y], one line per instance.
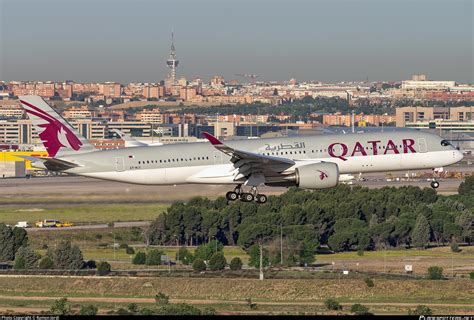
[213, 140]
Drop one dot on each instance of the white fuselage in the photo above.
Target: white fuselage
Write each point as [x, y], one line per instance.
[201, 163]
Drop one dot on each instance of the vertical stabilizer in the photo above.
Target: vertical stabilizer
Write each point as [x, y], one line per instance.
[57, 135]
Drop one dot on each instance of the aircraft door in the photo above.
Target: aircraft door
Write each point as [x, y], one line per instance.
[119, 164]
[217, 157]
[422, 145]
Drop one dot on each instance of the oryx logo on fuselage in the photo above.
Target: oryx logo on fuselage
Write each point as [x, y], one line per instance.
[55, 134]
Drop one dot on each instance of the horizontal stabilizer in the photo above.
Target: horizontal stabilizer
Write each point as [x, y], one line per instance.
[52, 164]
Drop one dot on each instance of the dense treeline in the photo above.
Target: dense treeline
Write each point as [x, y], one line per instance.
[344, 218]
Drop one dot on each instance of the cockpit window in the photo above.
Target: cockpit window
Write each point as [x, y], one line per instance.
[445, 143]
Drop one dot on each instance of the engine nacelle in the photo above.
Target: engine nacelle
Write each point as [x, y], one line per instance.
[317, 176]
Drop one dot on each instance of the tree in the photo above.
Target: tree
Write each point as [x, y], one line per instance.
[184, 256]
[306, 252]
[139, 258]
[10, 241]
[103, 268]
[26, 258]
[153, 257]
[199, 265]
[206, 251]
[217, 261]
[421, 232]
[88, 310]
[235, 264]
[46, 263]
[359, 309]
[254, 253]
[465, 221]
[66, 256]
[435, 273]
[61, 307]
[332, 304]
[467, 186]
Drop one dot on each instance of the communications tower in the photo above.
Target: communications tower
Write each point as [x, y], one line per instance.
[172, 63]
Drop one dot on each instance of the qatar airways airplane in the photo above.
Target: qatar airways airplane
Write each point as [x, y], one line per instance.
[309, 162]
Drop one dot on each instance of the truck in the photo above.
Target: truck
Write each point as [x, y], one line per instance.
[46, 223]
[22, 224]
[51, 223]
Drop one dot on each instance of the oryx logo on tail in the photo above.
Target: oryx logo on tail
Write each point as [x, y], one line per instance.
[54, 134]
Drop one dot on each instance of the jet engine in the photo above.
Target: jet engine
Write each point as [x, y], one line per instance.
[317, 176]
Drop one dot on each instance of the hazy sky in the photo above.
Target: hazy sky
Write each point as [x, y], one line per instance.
[331, 40]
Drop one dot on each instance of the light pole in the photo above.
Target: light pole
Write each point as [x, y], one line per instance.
[281, 244]
[261, 260]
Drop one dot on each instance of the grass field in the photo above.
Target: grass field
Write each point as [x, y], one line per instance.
[228, 295]
[83, 213]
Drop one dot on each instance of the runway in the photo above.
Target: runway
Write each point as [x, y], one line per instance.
[82, 189]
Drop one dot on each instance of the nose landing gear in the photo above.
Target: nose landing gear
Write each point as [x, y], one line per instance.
[253, 195]
[434, 184]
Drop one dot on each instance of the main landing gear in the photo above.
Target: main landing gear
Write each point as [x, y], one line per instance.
[253, 195]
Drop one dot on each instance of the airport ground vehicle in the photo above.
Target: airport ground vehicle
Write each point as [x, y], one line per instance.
[51, 223]
[22, 224]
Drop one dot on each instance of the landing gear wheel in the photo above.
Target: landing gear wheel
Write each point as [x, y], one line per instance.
[261, 198]
[246, 197]
[231, 196]
[434, 184]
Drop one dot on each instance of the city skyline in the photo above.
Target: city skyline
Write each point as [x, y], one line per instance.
[333, 41]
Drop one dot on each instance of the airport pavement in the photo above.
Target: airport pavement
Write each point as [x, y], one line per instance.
[74, 187]
[122, 224]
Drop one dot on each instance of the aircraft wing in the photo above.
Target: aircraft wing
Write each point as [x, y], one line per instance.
[251, 165]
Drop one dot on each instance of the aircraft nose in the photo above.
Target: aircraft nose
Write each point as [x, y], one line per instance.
[458, 155]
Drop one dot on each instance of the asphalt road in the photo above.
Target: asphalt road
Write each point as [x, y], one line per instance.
[122, 224]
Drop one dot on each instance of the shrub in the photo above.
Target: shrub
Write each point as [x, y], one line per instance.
[209, 311]
[332, 304]
[46, 263]
[153, 257]
[369, 282]
[236, 264]
[435, 273]
[103, 268]
[179, 309]
[250, 304]
[91, 264]
[217, 262]
[123, 246]
[129, 250]
[132, 307]
[162, 298]
[421, 310]
[359, 309]
[67, 256]
[360, 252]
[455, 247]
[140, 258]
[199, 265]
[88, 310]
[98, 236]
[60, 307]
[471, 275]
